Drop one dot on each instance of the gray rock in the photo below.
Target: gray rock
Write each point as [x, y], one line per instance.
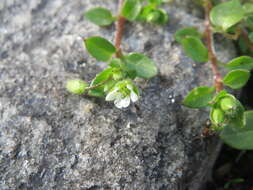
[50, 139]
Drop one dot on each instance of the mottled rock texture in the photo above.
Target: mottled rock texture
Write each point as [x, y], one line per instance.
[50, 139]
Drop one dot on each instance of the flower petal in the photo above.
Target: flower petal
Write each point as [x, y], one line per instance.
[112, 95]
[134, 96]
[122, 103]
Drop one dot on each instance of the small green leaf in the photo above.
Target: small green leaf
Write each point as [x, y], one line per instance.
[100, 48]
[184, 32]
[199, 97]
[227, 14]
[243, 62]
[100, 16]
[233, 181]
[240, 137]
[101, 77]
[248, 8]
[195, 49]
[141, 64]
[76, 86]
[237, 78]
[131, 9]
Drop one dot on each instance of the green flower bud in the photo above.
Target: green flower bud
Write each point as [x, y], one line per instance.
[76, 86]
[153, 16]
[217, 116]
[227, 103]
[158, 16]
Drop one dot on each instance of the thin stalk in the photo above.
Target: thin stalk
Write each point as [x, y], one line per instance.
[98, 85]
[209, 41]
[119, 29]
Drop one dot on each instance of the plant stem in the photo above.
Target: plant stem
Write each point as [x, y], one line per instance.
[118, 38]
[119, 29]
[209, 40]
[98, 85]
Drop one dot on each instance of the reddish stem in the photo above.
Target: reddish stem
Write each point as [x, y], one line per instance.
[209, 41]
[119, 29]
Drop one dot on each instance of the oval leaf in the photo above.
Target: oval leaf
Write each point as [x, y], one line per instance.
[131, 9]
[243, 62]
[184, 32]
[240, 138]
[199, 97]
[227, 14]
[141, 64]
[100, 48]
[236, 78]
[99, 16]
[195, 49]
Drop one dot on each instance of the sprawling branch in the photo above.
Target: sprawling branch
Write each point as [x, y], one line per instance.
[209, 41]
[98, 85]
[119, 30]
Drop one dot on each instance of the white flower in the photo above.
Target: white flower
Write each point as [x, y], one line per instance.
[122, 96]
[122, 103]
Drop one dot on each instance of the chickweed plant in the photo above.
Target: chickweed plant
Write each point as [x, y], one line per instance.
[116, 82]
[232, 18]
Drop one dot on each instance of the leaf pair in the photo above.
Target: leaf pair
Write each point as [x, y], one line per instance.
[103, 17]
[103, 50]
[131, 10]
[240, 72]
[193, 47]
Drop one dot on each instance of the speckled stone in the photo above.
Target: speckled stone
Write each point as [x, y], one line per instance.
[52, 140]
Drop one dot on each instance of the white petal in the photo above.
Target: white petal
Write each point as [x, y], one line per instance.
[122, 103]
[111, 95]
[134, 96]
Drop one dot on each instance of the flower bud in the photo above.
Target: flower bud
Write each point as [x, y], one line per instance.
[228, 103]
[76, 86]
[153, 16]
[217, 116]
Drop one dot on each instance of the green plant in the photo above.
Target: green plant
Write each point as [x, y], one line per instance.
[232, 182]
[116, 82]
[227, 115]
[132, 10]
